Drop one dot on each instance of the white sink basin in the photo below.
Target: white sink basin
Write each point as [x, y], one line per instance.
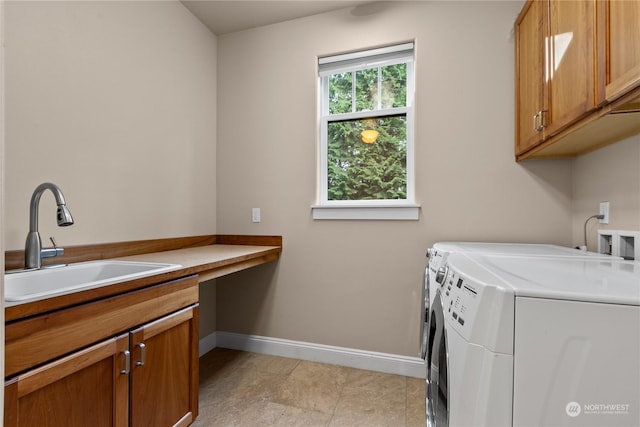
[33, 285]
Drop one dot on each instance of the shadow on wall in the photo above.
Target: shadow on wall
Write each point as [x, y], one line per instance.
[245, 299]
[553, 176]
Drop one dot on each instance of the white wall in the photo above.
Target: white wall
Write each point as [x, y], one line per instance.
[116, 103]
[2, 122]
[357, 284]
[611, 174]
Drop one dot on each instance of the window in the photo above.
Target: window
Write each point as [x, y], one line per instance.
[366, 135]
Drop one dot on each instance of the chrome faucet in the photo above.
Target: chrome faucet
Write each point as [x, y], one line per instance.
[33, 252]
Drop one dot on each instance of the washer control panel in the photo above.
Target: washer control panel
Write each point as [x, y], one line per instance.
[477, 304]
[437, 260]
[460, 298]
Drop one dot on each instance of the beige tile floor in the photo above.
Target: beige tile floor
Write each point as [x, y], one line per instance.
[247, 389]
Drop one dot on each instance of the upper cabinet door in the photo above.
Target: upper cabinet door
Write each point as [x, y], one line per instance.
[571, 64]
[619, 21]
[530, 69]
[555, 68]
[577, 76]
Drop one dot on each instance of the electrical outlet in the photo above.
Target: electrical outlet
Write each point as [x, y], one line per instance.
[255, 215]
[604, 210]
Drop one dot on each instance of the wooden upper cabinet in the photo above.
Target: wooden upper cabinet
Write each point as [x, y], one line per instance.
[571, 74]
[619, 24]
[555, 68]
[530, 69]
[577, 76]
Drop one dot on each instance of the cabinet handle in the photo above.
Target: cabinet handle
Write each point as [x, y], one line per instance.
[127, 362]
[542, 121]
[538, 120]
[143, 354]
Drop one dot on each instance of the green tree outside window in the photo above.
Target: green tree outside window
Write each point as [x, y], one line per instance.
[357, 170]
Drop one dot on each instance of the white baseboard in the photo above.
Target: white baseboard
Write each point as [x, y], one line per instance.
[207, 344]
[353, 358]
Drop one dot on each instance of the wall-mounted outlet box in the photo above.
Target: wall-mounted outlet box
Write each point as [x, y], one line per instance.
[629, 245]
[605, 242]
[625, 244]
[604, 211]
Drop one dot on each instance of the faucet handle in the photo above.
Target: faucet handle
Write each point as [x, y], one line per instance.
[51, 252]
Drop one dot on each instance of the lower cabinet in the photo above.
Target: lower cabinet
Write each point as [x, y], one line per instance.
[87, 388]
[164, 371]
[147, 376]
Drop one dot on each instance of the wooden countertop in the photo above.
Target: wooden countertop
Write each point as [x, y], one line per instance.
[212, 261]
[207, 256]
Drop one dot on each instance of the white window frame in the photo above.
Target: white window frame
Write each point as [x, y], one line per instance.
[405, 209]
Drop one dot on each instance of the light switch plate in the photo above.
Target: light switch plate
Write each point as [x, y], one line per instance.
[255, 215]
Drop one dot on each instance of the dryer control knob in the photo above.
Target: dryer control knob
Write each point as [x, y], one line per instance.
[430, 252]
[441, 274]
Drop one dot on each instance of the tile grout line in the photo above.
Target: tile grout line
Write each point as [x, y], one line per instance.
[333, 413]
[406, 402]
[331, 416]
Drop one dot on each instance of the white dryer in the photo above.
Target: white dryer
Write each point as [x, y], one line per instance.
[535, 341]
[437, 255]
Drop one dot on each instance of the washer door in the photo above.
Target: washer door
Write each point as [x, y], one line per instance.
[437, 368]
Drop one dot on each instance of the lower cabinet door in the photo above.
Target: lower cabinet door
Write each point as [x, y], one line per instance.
[87, 388]
[164, 371]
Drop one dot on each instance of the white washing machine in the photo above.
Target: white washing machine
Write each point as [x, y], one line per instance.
[438, 254]
[535, 341]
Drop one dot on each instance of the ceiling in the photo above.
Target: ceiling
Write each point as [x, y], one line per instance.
[227, 16]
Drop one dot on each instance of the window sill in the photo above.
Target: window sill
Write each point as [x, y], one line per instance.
[408, 212]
